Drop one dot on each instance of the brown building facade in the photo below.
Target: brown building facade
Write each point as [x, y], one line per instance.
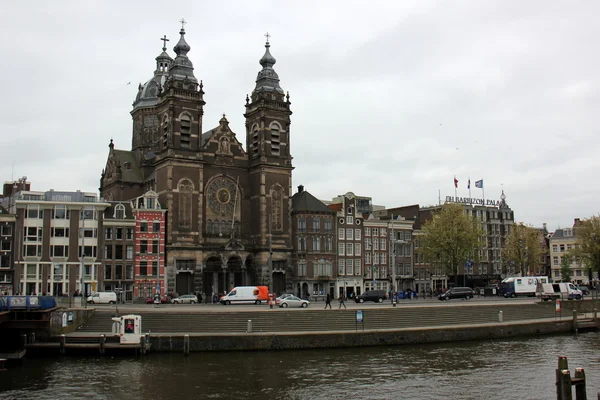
[228, 207]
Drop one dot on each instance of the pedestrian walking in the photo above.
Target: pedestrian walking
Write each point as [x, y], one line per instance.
[328, 301]
[342, 299]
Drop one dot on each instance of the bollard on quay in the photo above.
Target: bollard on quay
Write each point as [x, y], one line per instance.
[186, 345]
[500, 316]
[249, 327]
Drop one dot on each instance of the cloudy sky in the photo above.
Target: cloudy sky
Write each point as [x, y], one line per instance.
[391, 99]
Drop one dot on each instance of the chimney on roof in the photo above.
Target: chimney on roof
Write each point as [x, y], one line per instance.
[300, 188]
[545, 227]
[577, 222]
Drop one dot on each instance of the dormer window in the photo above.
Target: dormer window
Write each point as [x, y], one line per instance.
[568, 232]
[119, 211]
[150, 203]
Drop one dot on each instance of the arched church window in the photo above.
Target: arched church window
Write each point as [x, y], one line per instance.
[275, 139]
[255, 143]
[224, 228]
[236, 229]
[185, 187]
[276, 209]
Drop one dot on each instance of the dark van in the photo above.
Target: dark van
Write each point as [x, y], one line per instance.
[371, 295]
[457, 293]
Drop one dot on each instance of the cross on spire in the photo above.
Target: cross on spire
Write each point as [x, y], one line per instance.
[165, 40]
[267, 35]
[182, 23]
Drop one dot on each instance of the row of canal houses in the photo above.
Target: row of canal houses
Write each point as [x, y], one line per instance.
[345, 245]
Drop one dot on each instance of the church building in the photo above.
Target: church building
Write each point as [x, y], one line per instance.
[228, 207]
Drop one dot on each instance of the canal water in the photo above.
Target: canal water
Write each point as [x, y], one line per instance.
[500, 369]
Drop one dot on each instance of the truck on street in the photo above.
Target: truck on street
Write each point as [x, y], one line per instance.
[521, 285]
[246, 295]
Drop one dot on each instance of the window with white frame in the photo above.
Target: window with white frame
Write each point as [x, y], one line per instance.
[349, 249]
[375, 244]
[341, 233]
[301, 224]
[407, 236]
[375, 231]
[34, 211]
[59, 251]
[301, 268]
[555, 260]
[129, 233]
[341, 266]
[327, 224]
[316, 244]
[341, 249]
[59, 232]
[367, 258]
[407, 249]
[349, 266]
[6, 230]
[88, 251]
[357, 249]
[88, 232]
[357, 267]
[302, 243]
[383, 272]
[316, 224]
[375, 258]
[382, 244]
[119, 211]
[383, 258]
[383, 232]
[33, 234]
[129, 252]
[367, 231]
[108, 233]
[357, 234]
[88, 213]
[32, 250]
[562, 248]
[328, 243]
[60, 212]
[349, 234]
[367, 243]
[349, 220]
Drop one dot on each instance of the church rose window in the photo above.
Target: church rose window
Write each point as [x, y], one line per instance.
[185, 203]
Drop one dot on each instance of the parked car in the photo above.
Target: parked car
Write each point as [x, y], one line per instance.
[186, 298]
[584, 289]
[283, 296]
[163, 300]
[371, 295]
[293, 301]
[457, 293]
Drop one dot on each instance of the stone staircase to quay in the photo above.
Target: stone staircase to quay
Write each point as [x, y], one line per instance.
[197, 320]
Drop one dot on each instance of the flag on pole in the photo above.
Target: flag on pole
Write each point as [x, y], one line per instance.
[479, 184]
[469, 184]
[455, 182]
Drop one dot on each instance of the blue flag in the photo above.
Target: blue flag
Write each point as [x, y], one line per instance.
[479, 184]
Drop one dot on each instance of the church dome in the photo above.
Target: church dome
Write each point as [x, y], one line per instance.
[148, 92]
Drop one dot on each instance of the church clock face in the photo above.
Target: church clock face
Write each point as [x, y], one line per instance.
[221, 196]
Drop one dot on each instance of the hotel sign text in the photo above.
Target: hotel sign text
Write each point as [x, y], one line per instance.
[474, 201]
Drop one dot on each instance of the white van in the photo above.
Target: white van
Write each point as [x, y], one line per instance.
[570, 291]
[102, 298]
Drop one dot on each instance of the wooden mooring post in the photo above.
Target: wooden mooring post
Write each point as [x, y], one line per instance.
[564, 382]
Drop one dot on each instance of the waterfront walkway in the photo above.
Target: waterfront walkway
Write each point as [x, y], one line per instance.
[196, 320]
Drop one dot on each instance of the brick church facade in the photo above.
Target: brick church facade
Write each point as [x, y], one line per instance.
[228, 207]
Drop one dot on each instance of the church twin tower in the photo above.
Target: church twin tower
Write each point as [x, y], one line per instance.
[228, 208]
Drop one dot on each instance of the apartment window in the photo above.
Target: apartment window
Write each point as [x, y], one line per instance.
[88, 232]
[367, 243]
[5, 261]
[33, 234]
[119, 211]
[154, 268]
[407, 236]
[569, 247]
[349, 266]
[108, 252]
[341, 249]
[555, 260]
[143, 268]
[341, 233]
[108, 272]
[302, 244]
[342, 267]
[6, 245]
[328, 243]
[129, 252]
[367, 258]
[383, 258]
[118, 271]
[156, 227]
[155, 249]
[301, 224]
[60, 212]
[349, 234]
[119, 233]
[316, 244]
[108, 233]
[357, 234]
[367, 231]
[349, 249]
[382, 244]
[59, 232]
[118, 252]
[578, 272]
[302, 268]
[59, 251]
[34, 212]
[129, 271]
[316, 224]
[129, 234]
[143, 227]
[327, 224]
[88, 251]
[143, 246]
[6, 230]
[562, 248]
[407, 250]
[357, 267]
[349, 220]
[375, 231]
[375, 244]
[33, 250]
[350, 210]
[357, 249]
[375, 258]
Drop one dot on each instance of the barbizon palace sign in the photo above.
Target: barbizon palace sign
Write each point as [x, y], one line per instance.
[471, 200]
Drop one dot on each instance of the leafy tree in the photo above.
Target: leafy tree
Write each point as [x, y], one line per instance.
[565, 268]
[450, 238]
[587, 250]
[523, 249]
